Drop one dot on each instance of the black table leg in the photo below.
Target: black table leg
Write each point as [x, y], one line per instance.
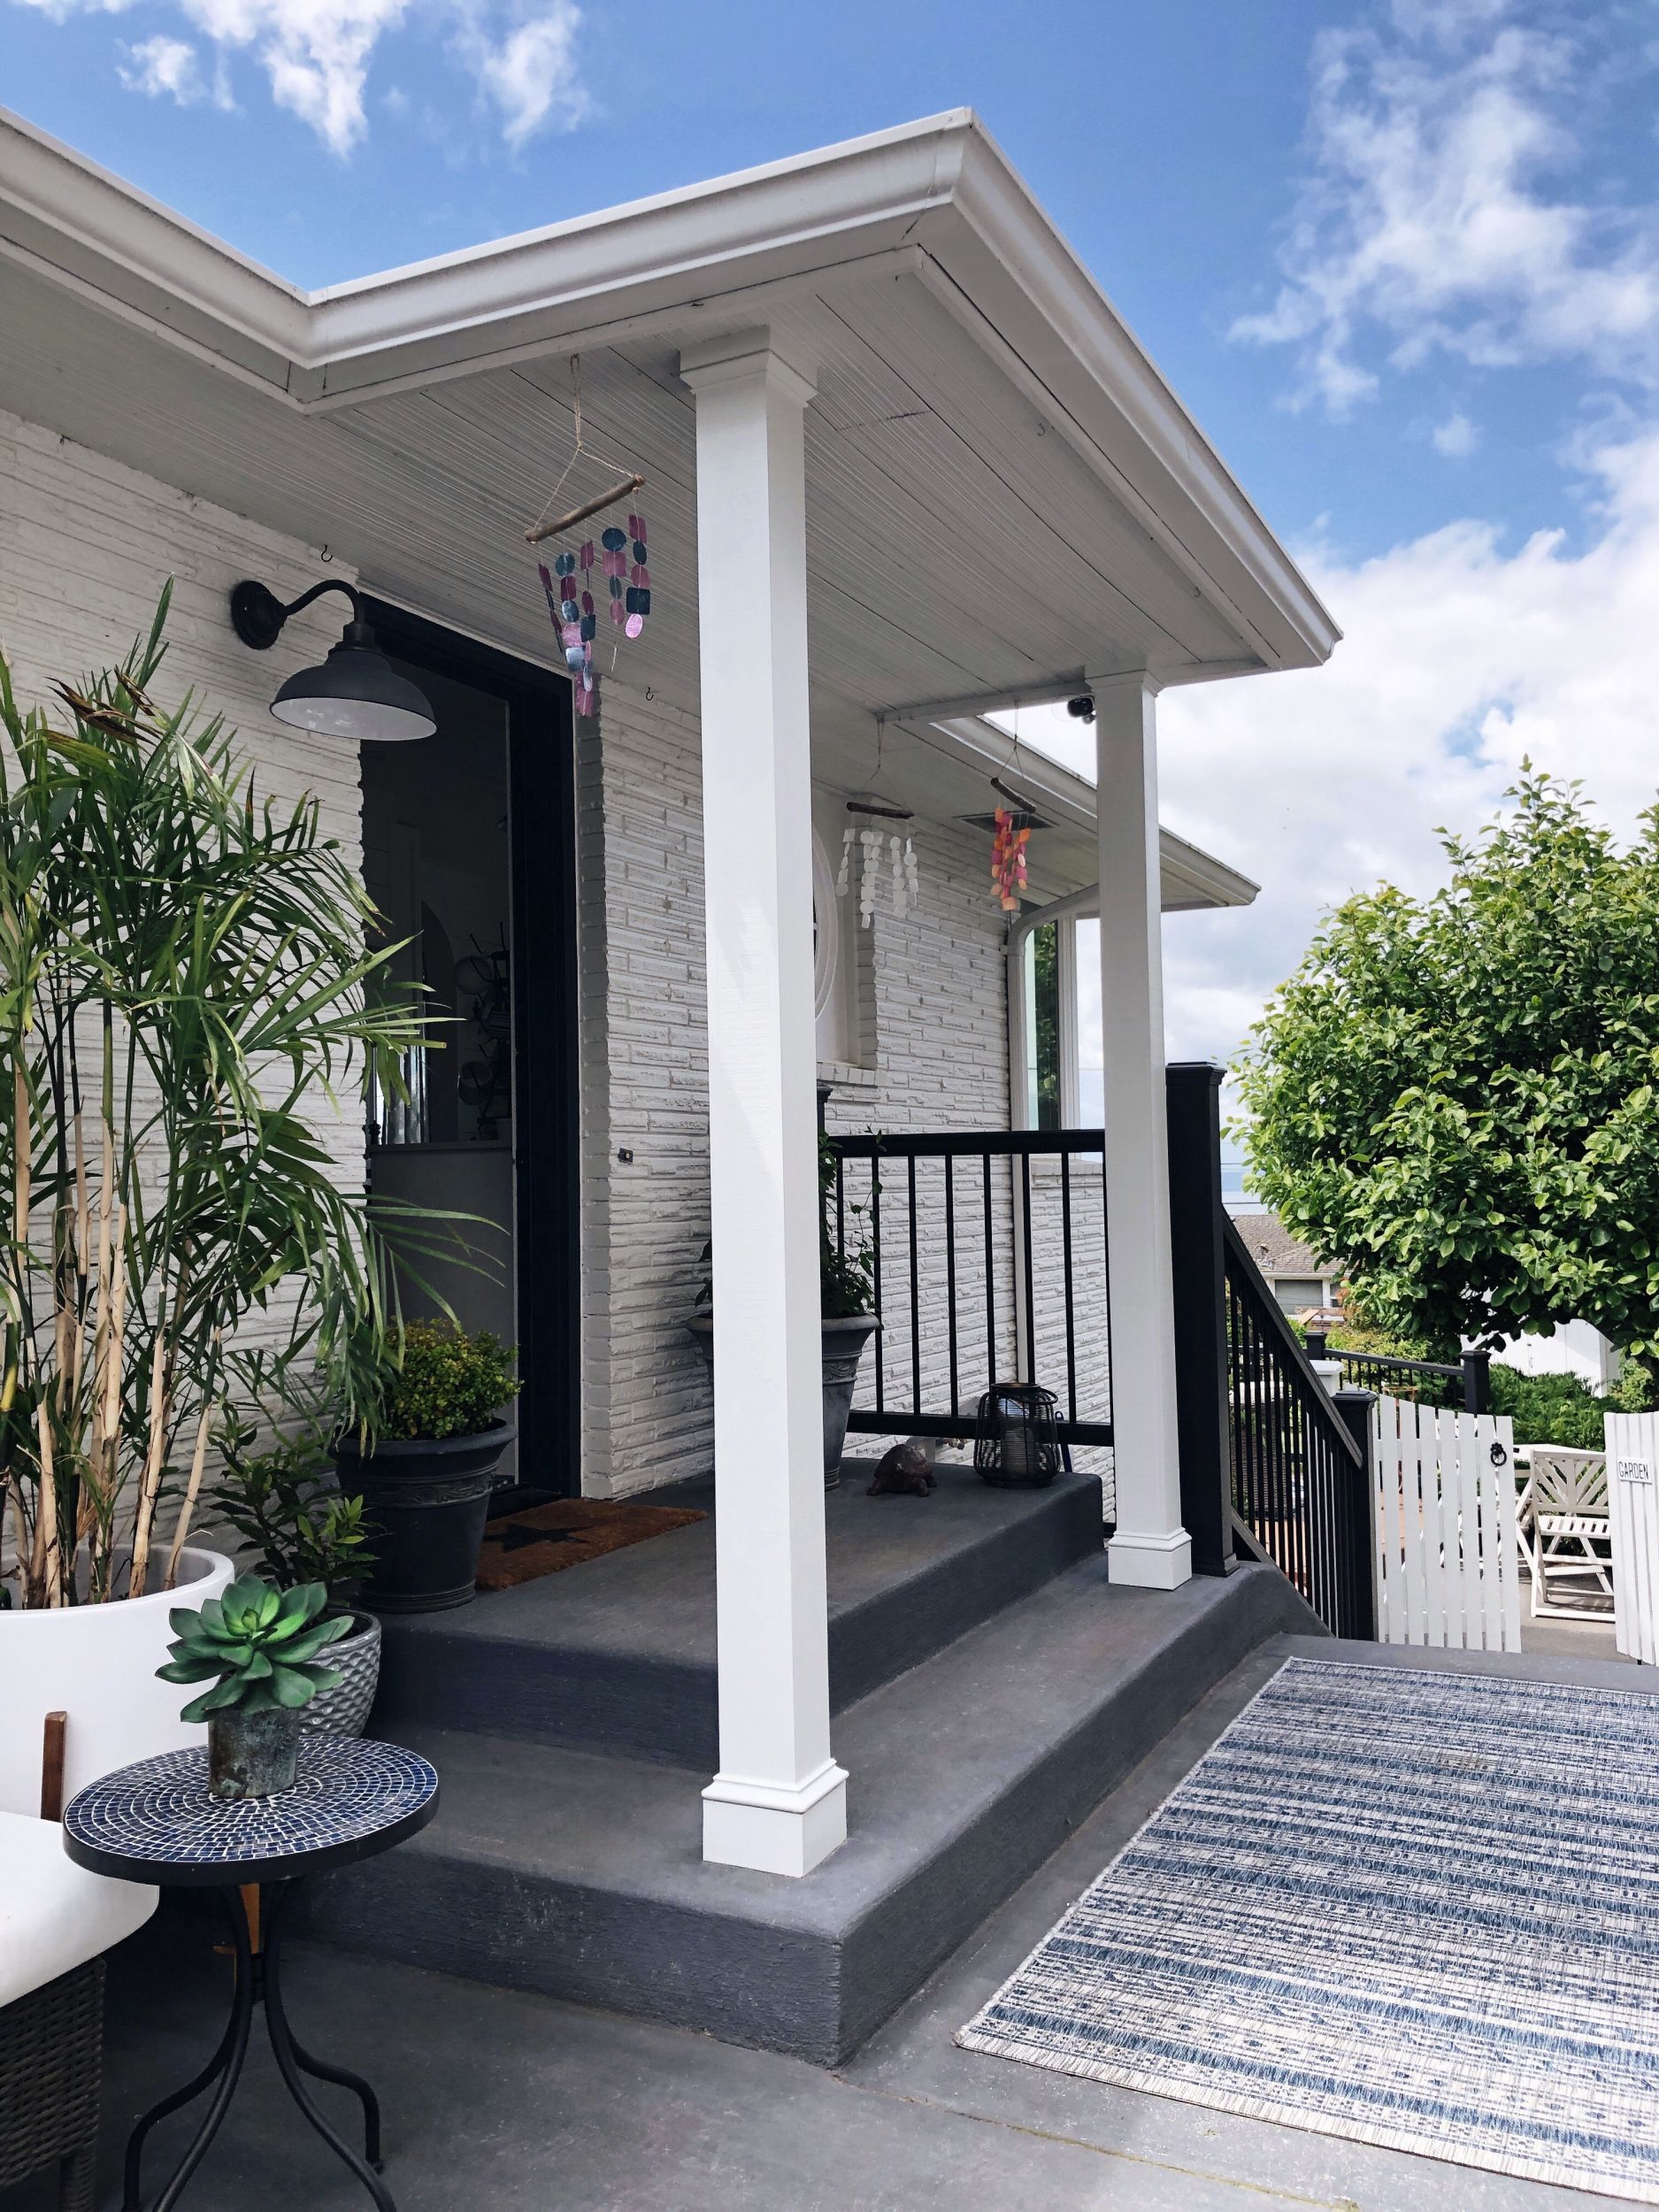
[258, 1980]
[224, 2068]
[294, 2059]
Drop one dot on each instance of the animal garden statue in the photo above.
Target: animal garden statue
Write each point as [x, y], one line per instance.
[902, 1471]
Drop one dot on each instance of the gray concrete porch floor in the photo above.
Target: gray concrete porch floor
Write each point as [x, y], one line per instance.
[523, 2104]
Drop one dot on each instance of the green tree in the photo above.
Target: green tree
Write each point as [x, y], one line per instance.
[1456, 1099]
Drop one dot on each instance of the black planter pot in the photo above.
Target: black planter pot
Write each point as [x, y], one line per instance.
[429, 1502]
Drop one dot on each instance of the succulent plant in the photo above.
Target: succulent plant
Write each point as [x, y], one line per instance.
[257, 1645]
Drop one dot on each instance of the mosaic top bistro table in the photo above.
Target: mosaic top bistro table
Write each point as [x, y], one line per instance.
[155, 1822]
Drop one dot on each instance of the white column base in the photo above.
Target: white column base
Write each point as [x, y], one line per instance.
[775, 1831]
[1150, 1563]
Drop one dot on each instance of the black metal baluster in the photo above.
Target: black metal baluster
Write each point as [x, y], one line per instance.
[915, 1300]
[990, 1285]
[950, 1276]
[1071, 1326]
[1030, 1374]
[875, 1246]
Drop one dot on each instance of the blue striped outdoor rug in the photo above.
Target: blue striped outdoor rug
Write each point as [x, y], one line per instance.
[1412, 1909]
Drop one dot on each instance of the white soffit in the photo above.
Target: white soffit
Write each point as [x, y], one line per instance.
[881, 254]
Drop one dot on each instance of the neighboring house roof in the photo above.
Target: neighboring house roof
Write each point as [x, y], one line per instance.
[1273, 1248]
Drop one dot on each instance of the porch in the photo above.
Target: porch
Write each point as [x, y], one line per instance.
[494, 2096]
[906, 467]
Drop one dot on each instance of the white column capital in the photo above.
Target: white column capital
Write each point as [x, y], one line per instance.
[745, 356]
[1138, 680]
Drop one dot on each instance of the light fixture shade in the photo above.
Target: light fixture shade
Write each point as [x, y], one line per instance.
[355, 695]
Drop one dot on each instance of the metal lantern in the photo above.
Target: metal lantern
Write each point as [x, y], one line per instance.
[1016, 1447]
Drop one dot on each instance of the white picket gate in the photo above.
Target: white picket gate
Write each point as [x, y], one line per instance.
[1632, 1471]
[1443, 1513]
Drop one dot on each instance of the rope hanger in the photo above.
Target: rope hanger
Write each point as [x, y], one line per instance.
[631, 481]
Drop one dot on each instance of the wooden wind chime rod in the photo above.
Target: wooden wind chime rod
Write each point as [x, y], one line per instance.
[887, 813]
[595, 506]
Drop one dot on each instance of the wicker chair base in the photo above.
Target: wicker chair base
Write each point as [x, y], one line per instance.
[50, 2057]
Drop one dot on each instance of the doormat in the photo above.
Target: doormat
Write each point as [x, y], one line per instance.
[1408, 1908]
[524, 1547]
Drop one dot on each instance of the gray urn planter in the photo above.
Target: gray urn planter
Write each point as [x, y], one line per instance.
[355, 1658]
[844, 1341]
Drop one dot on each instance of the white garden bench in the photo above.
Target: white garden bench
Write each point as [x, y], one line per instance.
[1566, 1532]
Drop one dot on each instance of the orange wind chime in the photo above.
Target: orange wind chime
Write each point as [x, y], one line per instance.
[1011, 834]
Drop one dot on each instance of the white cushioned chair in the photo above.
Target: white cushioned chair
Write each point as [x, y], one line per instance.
[57, 1921]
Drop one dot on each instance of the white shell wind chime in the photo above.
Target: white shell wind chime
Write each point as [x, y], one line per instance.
[883, 857]
[621, 555]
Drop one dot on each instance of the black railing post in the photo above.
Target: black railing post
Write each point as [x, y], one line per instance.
[1197, 1252]
[1476, 1382]
[1356, 1534]
[1313, 1341]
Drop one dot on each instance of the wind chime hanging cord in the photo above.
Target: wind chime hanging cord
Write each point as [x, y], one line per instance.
[631, 481]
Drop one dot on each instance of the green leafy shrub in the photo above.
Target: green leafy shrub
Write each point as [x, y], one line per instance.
[277, 1492]
[1551, 1409]
[256, 1645]
[447, 1383]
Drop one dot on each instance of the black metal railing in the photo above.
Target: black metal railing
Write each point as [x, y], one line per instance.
[1300, 1473]
[987, 1269]
[1465, 1384]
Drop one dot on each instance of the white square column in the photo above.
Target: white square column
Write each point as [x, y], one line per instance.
[1151, 1548]
[778, 1801]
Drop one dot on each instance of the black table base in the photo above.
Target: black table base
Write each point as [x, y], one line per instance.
[258, 1982]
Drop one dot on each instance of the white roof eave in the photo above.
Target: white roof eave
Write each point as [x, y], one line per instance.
[935, 196]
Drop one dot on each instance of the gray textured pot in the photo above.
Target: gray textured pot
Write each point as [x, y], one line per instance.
[844, 1342]
[251, 1755]
[355, 1658]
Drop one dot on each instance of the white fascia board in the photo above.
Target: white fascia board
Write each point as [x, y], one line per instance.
[1190, 877]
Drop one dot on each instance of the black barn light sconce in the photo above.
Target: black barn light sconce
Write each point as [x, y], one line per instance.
[355, 694]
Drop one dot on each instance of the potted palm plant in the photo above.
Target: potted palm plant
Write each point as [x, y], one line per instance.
[183, 974]
[423, 1462]
[848, 1291]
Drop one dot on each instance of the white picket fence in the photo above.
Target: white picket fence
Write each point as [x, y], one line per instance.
[1633, 1468]
[1443, 1512]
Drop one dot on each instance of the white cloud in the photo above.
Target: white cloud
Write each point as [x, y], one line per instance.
[1456, 437]
[1431, 220]
[1462, 656]
[531, 73]
[163, 66]
[316, 56]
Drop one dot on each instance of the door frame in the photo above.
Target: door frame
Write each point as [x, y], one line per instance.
[546, 1035]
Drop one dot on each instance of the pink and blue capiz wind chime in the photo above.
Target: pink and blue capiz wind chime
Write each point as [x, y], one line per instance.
[620, 556]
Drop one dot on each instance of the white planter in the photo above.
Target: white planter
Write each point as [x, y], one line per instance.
[97, 1663]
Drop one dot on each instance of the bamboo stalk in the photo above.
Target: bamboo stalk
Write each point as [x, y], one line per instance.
[149, 1482]
[192, 1489]
[50, 1580]
[23, 1135]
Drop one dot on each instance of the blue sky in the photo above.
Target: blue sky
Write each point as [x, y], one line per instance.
[1401, 258]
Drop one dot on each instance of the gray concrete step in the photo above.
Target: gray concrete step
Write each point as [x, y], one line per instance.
[550, 1868]
[618, 1656]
